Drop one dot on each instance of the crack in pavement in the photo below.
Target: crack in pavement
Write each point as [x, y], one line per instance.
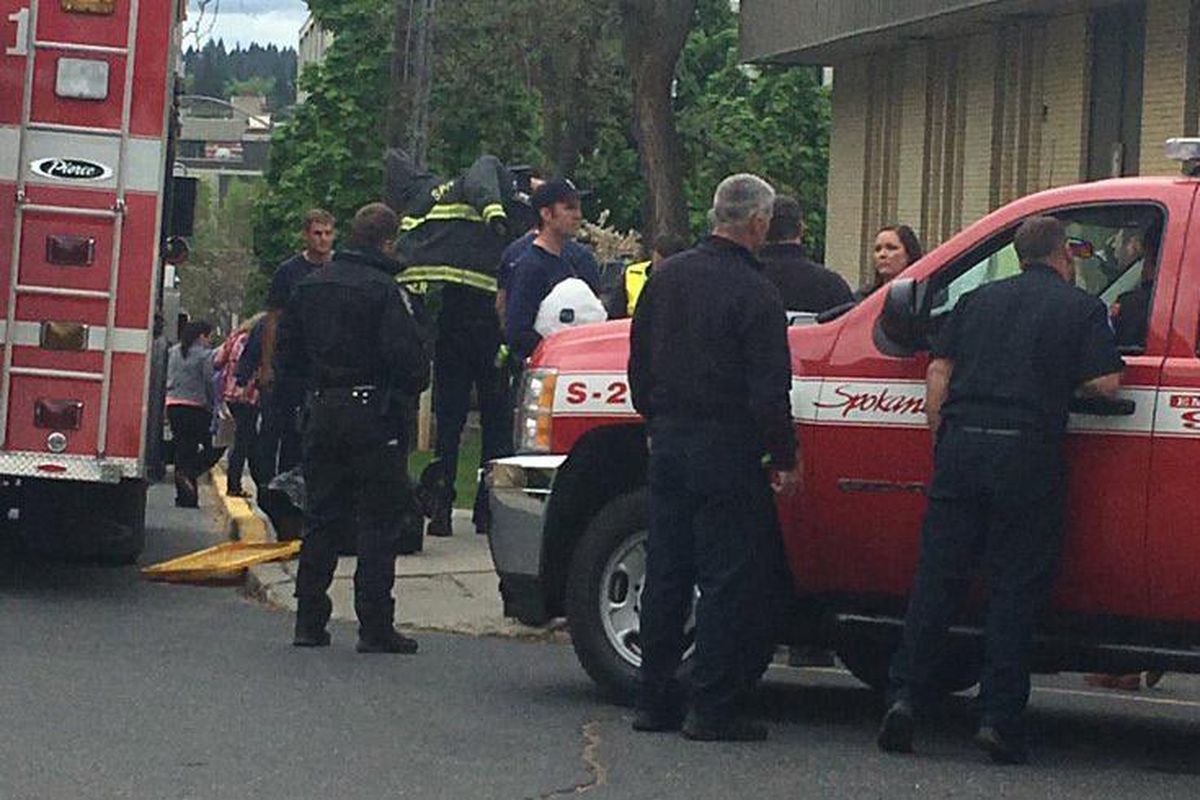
[462, 587]
[591, 761]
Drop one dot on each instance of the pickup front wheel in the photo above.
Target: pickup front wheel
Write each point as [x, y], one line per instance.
[603, 596]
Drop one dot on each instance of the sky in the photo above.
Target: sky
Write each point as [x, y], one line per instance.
[245, 21]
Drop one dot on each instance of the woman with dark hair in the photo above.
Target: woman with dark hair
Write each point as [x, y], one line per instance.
[190, 395]
[896, 247]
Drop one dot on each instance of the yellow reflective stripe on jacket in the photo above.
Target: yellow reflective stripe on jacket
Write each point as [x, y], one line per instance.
[443, 211]
[493, 210]
[447, 274]
[635, 281]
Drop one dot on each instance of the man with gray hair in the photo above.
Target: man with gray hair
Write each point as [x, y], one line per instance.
[710, 371]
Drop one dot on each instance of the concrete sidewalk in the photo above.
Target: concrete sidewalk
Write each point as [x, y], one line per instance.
[450, 586]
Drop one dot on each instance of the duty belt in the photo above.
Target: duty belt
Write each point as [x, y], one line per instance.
[345, 395]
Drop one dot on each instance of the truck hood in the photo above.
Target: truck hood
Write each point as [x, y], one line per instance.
[604, 347]
[601, 347]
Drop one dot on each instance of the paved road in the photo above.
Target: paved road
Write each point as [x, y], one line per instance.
[115, 688]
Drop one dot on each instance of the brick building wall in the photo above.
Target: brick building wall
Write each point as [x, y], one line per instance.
[986, 117]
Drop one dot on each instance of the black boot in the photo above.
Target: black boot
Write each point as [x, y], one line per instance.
[659, 708]
[1004, 743]
[376, 631]
[896, 731]
[439, 522]
[388, 641]
[701, 728]
[312, 614]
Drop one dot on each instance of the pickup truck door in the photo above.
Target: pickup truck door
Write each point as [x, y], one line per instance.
[873, 453]
[1173, 538]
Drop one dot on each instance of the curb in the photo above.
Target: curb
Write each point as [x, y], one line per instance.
[246, 522]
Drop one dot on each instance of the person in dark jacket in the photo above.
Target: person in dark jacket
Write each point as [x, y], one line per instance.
[709, 369]
[452, 230]
[1003, 369]
[279, 436]
[803, 284]
[349, 338]
[545, 263]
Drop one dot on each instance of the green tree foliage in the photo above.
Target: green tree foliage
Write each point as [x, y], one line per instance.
[212, 283]
[212, 71]
[546, 89]
[329, 154]
[770, 120]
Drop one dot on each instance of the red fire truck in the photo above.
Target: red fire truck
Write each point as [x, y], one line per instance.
[570, 511]
[86, 93]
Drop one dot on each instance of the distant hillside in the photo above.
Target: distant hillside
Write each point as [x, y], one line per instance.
[214, 71]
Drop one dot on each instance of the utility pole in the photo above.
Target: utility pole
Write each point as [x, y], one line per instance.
[422, 80]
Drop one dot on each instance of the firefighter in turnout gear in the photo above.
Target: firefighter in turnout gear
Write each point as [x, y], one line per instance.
[453, 233]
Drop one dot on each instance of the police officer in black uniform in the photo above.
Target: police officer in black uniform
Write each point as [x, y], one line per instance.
[709, 369]
[348, 335]
[1003, 370]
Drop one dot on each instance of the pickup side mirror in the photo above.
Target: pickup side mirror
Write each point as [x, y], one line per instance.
[903, 327]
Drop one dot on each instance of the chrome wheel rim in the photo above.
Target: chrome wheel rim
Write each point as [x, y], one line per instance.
[620, 601]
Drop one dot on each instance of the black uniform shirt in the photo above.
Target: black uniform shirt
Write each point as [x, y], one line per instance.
[1132, 320]
[709, 342]
[804, 285]
[286, 276]
[1021, 347]
[348, 324]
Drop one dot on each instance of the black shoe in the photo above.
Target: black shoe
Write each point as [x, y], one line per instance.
[1001, 747]
[657, 721]
[389, 642]
[699, 729]
[896, 732]
[307, 637]
[439, 526]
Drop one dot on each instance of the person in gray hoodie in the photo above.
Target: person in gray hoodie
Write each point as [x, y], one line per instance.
[190, 397]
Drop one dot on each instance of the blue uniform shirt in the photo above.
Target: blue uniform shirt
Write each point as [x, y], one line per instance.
[578, 256]
[533, 275]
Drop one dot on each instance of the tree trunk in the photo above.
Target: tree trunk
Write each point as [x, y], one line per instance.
[653, 35]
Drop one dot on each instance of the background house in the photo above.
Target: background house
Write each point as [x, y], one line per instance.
[946, 109]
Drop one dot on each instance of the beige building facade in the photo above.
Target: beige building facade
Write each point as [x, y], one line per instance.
[944, 111]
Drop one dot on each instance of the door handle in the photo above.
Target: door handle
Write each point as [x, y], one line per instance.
[1102, 406]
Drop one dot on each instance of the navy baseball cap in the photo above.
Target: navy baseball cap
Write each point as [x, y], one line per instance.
[551, 192]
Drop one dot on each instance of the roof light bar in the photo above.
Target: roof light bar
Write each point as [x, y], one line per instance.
[1185, 150]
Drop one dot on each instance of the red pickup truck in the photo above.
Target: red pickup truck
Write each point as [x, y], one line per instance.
[570, 510]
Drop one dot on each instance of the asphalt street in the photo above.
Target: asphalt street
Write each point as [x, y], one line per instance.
[113, 687]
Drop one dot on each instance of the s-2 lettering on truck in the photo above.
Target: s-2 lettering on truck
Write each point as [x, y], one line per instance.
[86, 103]
[570, 509]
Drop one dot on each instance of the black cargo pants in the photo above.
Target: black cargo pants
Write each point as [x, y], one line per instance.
[712, 526]
[354, 474]
[996, 497]
[464, 358]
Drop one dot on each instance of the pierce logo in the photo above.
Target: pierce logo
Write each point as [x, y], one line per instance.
[70, 169]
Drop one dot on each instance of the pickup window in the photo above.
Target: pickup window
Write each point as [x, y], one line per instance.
[1116, 258]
